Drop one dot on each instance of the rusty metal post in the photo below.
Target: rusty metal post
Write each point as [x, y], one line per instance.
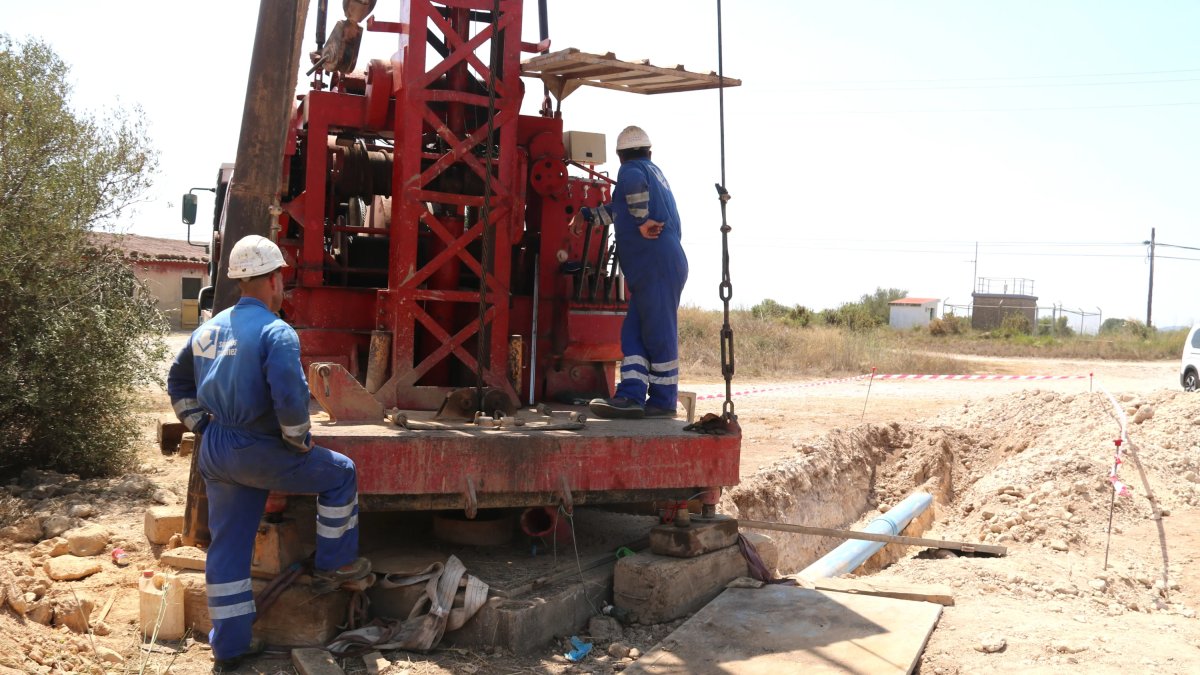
[378, 356]
[270, 89]
[195, 510]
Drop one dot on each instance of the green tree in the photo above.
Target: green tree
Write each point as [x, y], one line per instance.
[876, 304]
[79, 332]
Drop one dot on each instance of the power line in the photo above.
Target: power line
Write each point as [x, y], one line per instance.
[1006, 86]
[1190, 248]
[1010, 77]
[986, 110]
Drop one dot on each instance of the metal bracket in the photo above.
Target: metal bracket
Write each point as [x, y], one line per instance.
[341, 395]
[564, 496]
[472, 507]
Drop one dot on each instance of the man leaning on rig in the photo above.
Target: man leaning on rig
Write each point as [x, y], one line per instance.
[648, 243]
[239, 382]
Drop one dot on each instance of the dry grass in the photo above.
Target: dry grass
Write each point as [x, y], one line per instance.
[770, 348]
[766, 348]
[1116, 346]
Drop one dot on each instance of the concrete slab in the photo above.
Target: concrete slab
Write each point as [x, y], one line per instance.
[784, 629]
[655, 588]
[703, 535]
[526, 624]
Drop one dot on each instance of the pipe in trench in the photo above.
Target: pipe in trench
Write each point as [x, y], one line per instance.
[851, 554]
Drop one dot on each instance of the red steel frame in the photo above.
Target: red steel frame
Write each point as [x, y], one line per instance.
[428, 104]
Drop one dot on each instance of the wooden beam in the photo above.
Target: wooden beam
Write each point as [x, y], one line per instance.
[870, 536]
[311, 661]
[938, 593]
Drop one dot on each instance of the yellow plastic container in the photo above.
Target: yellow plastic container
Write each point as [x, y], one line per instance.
[161, 605]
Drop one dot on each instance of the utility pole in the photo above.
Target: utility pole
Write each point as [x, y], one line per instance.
[1150, 293]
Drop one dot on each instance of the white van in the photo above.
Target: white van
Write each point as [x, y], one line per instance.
[1189, 370]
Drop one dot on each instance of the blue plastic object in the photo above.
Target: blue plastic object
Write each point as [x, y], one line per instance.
[581, 650]
[848, 556]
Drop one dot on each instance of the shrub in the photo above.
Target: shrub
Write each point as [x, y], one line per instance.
[1015, 323]
[79, 332]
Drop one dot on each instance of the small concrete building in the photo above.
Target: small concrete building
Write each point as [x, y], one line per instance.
[908, 312]
[995, 299]
[173, 270]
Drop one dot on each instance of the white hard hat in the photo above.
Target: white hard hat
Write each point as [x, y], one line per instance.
[253, 256]
[632, 137]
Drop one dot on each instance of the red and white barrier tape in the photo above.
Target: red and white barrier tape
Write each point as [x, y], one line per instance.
[802, 385]
[894, 376]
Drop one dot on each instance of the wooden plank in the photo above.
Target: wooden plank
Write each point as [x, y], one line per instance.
[107, 606]
[310, 661]
[375, 663]
[938, 593]
[783, 629]
[963, 546]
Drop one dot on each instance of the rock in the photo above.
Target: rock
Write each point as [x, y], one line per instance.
[133, 485]
[102, 629]
[88, 540]
[41, 612]
[635, 653]
[26, 530]
[1098, 584]
[1143, 413]
[73, 610]
[109, 655]
[1064, 647]
[604, 628]
[81, 511]
[1059, 545]
[53, 526]
[15, 598]
[51, 548]
[43, 492]
[618, 650]
[990, 643]
[163, 496]
[69, 567]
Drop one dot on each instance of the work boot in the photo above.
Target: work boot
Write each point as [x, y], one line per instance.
[655, 411]
[616, 408]
[325, 581]
[256, 647]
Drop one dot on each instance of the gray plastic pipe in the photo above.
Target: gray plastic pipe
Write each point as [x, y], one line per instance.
[850, 555]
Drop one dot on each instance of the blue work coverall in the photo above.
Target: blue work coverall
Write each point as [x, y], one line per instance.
[239, 382]
[655, 272]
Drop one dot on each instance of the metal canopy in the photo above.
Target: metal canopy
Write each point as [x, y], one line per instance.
[567, 70]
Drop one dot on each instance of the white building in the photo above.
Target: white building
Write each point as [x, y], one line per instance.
[908, 312]
[173, 271]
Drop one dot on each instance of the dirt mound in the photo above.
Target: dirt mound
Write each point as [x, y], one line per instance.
[1029, 467]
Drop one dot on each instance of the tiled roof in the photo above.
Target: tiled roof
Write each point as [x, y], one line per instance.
[152, 248]
[912, 301]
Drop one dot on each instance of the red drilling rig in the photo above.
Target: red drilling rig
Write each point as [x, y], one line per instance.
[440, 275]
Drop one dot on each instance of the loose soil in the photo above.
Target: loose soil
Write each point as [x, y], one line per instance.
[1020, 463]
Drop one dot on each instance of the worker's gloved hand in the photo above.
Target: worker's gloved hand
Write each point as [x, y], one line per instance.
[299, 444]
[201, 424]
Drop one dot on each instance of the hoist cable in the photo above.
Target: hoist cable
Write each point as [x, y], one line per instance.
[726, 287]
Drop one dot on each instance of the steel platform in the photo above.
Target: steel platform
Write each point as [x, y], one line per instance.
[472, 467]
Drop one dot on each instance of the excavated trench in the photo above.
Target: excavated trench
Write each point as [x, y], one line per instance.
[1030, 467]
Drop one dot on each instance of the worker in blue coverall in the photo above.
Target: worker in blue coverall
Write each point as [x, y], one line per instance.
[648, 236]
[238, 382]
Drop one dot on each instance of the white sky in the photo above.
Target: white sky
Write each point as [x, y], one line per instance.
[871, 144]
